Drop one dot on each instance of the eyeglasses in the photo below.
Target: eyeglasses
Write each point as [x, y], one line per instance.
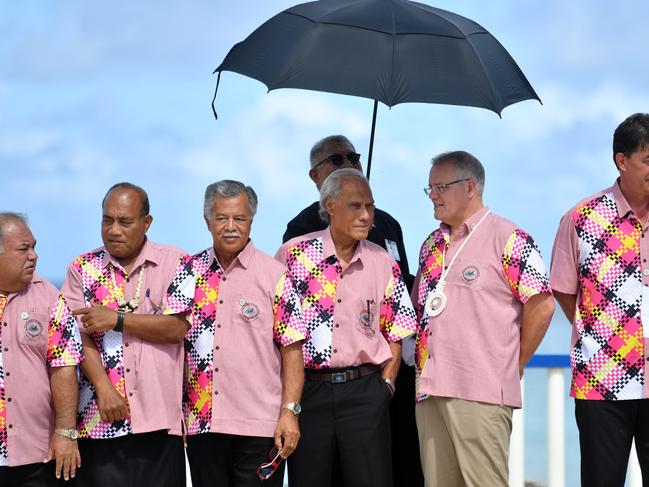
[440, 188]
[266, 470]
[339, 159]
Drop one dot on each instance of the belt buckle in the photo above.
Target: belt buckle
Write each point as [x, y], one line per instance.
[338, 378]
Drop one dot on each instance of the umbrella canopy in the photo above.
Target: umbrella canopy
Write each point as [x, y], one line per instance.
[392, 51]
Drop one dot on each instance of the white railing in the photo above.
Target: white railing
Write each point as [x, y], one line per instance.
[556, 398]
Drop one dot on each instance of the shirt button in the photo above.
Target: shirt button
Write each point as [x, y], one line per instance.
[224, 278]
[126, 344]
[217, 348]
[216, 393]
[340, 300]
[219, 325]
[220, 301]
[130, 394]
[4, 324]
[128, 370]
[216, 369]
[335, 350]
[337, 325]
[8, 374]
[8, 399]
[11, 426]
[646, 272]
[6, 349]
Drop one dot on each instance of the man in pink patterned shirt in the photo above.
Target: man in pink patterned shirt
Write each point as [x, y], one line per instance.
[243, 352]
[600, 278]
[357, 311]
[39, 350]
[130, 418]
[484, 304]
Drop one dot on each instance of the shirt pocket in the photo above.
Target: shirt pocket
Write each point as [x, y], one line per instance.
[254, 311]
[366, 317]
[33, 332]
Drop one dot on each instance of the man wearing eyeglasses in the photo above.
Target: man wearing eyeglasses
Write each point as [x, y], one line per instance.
[484, 304]
[130, 417]
[357, 311]
[328, 155]
[39, 350]
[243, 352]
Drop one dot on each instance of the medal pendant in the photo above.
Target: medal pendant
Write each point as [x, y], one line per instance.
[435, 303]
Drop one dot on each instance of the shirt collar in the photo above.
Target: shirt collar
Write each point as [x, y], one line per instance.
[148, 253]
[244, 257]
[35, 279]
[623, 207]
[469, 225]
[329, 248]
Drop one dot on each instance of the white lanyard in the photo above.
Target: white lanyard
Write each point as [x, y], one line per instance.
[436, 301]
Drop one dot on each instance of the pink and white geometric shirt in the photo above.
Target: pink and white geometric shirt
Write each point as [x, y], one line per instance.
[351, 315]
[240, 317]
[148, 375]
[600, 254]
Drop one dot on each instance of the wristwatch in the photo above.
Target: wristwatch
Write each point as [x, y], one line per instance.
[71, 434]
[294, 407]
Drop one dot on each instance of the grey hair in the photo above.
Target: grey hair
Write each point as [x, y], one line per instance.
[228, 189]
[315, 156]
[7, 217]
[332, 186]
[465, 165]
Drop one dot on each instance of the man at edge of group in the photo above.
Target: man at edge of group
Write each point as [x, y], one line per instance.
[327, 155]
[357, 311]
[129, 415]
[40, 347]
[484, 304]
[244, 370]
[600, 277]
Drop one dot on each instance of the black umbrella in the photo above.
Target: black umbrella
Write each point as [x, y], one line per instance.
[392, 51]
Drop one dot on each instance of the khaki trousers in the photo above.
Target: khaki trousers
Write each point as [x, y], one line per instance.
[464, 443]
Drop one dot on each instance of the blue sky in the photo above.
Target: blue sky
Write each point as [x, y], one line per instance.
[92, 93]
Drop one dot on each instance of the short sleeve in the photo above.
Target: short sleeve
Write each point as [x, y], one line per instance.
[398, 319]
[524, 267]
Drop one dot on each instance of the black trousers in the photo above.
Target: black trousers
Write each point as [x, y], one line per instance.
[346, 422]
[220, 460]
[135, 460]
[606, 431]
[31, 475]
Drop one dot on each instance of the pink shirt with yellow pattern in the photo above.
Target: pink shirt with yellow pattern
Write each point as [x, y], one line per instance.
[471, 350]
[600, 255]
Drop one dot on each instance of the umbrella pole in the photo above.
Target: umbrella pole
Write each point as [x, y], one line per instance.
[369, 157]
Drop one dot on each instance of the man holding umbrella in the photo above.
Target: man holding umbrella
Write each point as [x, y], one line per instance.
[328, 155]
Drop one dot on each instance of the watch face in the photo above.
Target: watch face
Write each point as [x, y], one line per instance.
[297, 409]
[74, 434]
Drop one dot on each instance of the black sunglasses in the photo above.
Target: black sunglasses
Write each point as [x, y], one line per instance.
[267, 469]
[339, 159]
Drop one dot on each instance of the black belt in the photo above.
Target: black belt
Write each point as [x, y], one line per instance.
[339, 376]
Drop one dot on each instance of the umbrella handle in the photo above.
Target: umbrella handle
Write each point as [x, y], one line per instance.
[369, 157]
[218, 78]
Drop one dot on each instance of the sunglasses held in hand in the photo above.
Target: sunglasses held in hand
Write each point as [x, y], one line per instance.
[267, 469]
